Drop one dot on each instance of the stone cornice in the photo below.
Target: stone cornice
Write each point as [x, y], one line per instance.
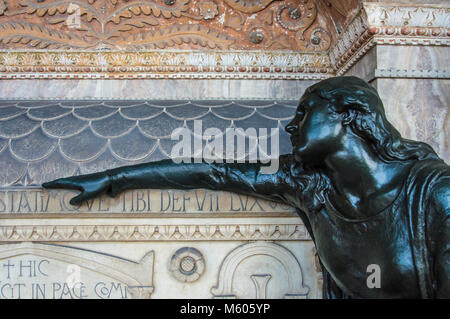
[196, 39]
[163, 64]
[413, 15]
[390, 24]
[374, 24]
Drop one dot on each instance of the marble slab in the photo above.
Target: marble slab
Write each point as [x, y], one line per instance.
[153, 89]
[142, 270]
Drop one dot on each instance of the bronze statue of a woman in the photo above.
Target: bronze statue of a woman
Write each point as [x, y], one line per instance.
[366, 195]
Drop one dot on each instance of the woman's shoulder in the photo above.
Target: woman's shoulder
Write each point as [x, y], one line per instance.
[440, 195]
[429, 184]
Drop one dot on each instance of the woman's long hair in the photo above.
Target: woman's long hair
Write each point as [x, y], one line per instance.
[363, 105]
[364, 109]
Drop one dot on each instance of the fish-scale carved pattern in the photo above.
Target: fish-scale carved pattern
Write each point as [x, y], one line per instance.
[44, 140]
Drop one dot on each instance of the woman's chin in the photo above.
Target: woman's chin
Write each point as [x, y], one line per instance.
[306, 158]
[298, 156]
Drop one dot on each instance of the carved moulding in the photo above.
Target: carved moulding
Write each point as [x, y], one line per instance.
[137, 276]
[199, 232]
[390, 24]
[82, 39]
[237, 268]
[164, 64]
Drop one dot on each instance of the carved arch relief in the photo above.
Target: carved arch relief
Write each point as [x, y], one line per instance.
[49, 271]
[252, 270]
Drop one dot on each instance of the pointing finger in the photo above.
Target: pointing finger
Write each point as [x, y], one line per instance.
[83, 196]
[66, 183]
[78, 199]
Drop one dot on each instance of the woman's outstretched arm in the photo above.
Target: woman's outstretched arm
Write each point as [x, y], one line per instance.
[245, 178]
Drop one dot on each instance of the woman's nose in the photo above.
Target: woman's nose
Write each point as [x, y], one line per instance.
[291, 127]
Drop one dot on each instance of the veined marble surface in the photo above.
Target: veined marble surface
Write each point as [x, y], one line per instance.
[418, 108]
[412, 57]
[153, 89]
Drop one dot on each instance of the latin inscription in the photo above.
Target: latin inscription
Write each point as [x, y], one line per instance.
[31, 277]
[135, 201]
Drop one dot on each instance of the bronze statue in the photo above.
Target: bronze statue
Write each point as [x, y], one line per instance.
[366, 195]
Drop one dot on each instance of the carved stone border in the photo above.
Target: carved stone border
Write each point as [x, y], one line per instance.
[390, 24]
[163, 65]
[209, 232]
[382, 24]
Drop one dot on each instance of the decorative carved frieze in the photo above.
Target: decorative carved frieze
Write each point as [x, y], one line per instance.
[406, 15]
[123, 233]
[163, 64]
[256, 39]
[160, 24]
[247, 39]
[156, 39]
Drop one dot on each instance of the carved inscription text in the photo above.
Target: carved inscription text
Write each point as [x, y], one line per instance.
[136, 201]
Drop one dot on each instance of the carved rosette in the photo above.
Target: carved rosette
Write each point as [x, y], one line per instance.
[187, 264]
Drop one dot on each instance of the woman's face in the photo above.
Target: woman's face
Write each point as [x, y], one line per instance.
[316, 131]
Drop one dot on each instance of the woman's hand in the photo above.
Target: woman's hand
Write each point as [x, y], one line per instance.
[90, 185]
